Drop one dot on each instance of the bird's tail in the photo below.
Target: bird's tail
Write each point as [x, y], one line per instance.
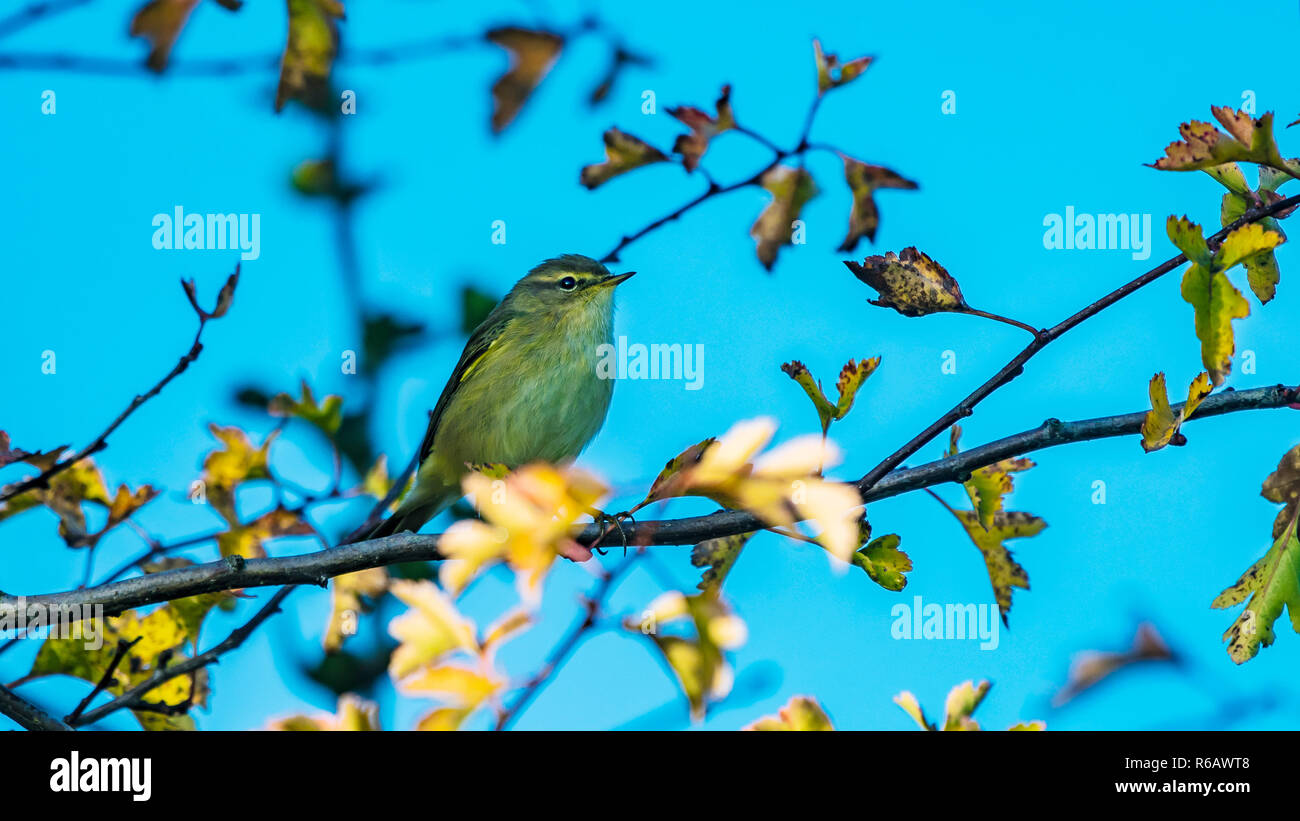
[408, 516]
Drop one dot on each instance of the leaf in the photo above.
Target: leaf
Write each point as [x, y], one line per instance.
[1161, 424]
[429, 630]
[1091, 667]
[346, 603]
[987, 486]
[1203, 146]
[884, 563]
[851, 377]
[801, 714]
[831, 74]
[717, 556]
[224, 470]
[791, 189]
[797, 371]
[912, 707]
[309, 53]
[248, 541]
[697, 661]
[672, 480]
[910, 283]
[1283, 486]
[354, 714]
[326, 415]
[703, 128]
[532, 54]
[623, 153]
[8, 455]
[1004, 572]
[475, 305]
[160, 22]
[1271, 584]
[864, 181]
[961, 703]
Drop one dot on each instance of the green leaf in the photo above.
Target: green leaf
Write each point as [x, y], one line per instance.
[1161, 424]
[884, 563]
[717, 556]
[326, 415]
[1216, 302]
[475, 305]
[800, 714]
[1271, 584]
[309, 53]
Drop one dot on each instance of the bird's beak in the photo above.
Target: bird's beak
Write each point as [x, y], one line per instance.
[615, 279]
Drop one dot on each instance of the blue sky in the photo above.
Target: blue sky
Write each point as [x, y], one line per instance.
[1057, 106]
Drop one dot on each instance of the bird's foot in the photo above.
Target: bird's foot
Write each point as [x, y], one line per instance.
[610, 524]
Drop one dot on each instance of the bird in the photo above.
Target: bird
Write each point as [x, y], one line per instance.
[526, 387]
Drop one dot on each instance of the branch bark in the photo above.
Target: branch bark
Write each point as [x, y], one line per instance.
[319, 567]
[28, 715]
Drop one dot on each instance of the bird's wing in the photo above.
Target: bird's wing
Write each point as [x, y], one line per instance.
[480, 342]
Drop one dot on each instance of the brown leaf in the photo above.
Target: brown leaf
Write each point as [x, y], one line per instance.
[309, 53]
[791, 188]
[910, 283]
[864, 180]
[623, 153]
[1283, 486]
[703, 128]
[532, 54]
[160, 22]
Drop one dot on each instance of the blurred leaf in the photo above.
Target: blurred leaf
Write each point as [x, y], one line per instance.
[717, 556]
[831, 74]
[801, 713]
[910, 283]
[619, 59]
[248, 540]
[961, 703]
[327, 415]
[623, 153]
[703, 128]
[239, 462]
[1091, 667]
[532, 54]
[791, 189]
[354, 714]
[864, 181]
[309, 53]
[697, 661]
[475, 305]
[1161, 424]
[160, 22]
[8, 455]
[1283, 487]
[384, 335]
[346, 604]
[430, 629]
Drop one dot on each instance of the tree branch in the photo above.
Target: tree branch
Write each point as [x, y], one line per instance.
[134, 698]
[1015, 367]
[28, 715]
[319, 567]
[101, 441]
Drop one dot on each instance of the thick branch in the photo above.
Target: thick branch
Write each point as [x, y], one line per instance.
[317, 568]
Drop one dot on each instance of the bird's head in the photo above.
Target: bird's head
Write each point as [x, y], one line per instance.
[566, 287]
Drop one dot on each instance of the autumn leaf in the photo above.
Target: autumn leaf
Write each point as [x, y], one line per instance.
[430, 629]
[1204, 146]
[8, 455]
[910, 283]
[527, 521]
[864, 181]
[1262, 273]
[532, 54]
[831, 74]
[326, 415]
[1161, 425]
[248, 541]
[703, 128]
[346, 603]
[851, 377]
[1271, 584]
[1089, 668]
[883, 562]
[1283, 486]
[69, 490]
[989, 525]
[1206, 287]
[959, 709]
[697, 659]
[623, 153]
[238, 462]
[160, 22]
[354, 714]
[309, 53]
[717, 556]
[782, 488]
[801, 713]
[791, 188]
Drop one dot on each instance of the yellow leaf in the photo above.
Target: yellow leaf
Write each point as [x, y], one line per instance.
[160, 22]
[961, 703]
[1162, 423]
[346, 603]
[430, 629]
[801, 713]
[1216, 302]
[912, 707]
[354, 714]
[831, 74]
[224, 470]
[309, 53]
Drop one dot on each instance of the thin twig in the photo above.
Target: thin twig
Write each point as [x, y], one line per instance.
[123, 647]
[133, 698]
[27, 715]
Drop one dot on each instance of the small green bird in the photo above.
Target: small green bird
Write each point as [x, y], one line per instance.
[525, 389]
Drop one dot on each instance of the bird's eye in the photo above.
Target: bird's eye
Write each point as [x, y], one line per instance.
[568, 284]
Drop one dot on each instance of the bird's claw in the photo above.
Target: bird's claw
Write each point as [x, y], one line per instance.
[610, 523]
